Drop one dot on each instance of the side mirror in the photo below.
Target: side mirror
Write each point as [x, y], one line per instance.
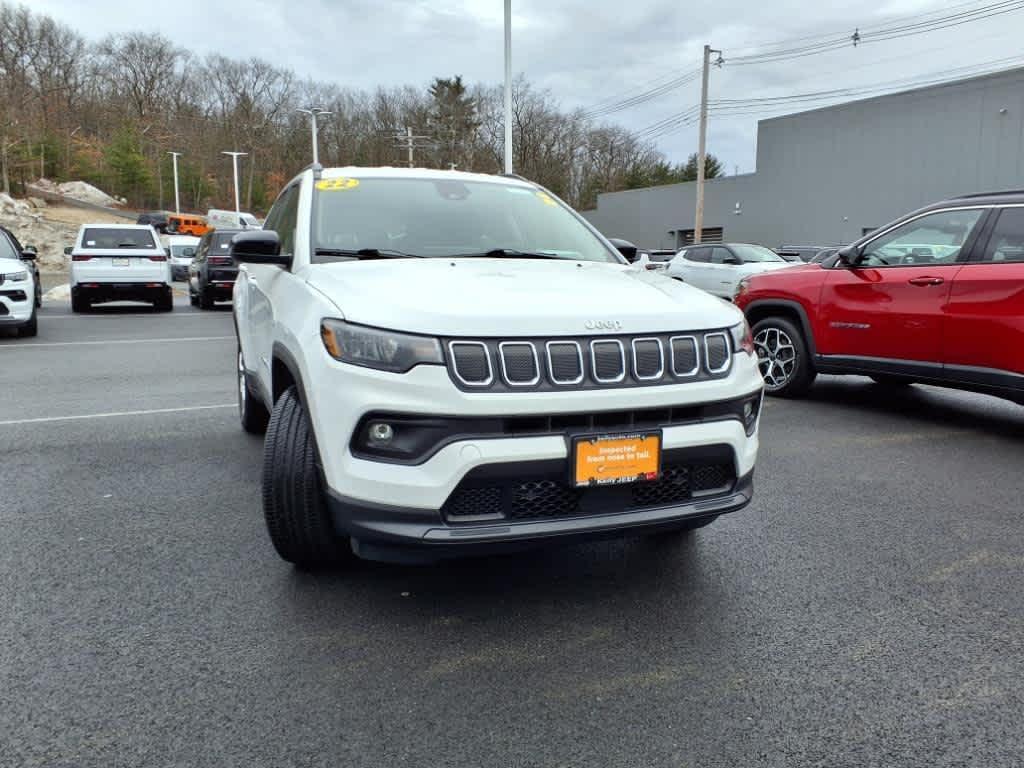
[168, 252]
[849, 255]
[29, 254]
[733, 261]
[67, 250]
[258, 246]
[626, 248]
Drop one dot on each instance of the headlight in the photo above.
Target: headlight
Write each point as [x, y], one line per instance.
[742, 339]
[378, 348]
[17, 277]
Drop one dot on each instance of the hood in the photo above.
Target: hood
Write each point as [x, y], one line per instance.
[515, 297]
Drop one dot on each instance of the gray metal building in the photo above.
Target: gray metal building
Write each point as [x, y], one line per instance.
[829, 175]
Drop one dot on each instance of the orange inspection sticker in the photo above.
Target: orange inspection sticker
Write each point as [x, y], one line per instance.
[614, 459]
[336, 185]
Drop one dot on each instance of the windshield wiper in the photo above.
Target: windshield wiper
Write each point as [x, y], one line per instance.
[366, 253]
[510, 253]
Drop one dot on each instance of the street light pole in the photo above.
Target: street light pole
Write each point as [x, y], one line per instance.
[313, 112]
[508, 87]
[234, 161]
[174, 158]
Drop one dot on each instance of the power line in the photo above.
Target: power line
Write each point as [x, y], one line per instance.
[878, 34]
[606, 108]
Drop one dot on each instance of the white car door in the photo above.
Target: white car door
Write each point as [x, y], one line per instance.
[264, 285]
[725, 272]
[692, 266]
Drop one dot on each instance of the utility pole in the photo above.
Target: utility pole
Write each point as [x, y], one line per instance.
[174, 159]
[698, 220]
[508, 87]
[234, 160]
[408, 141]
[313, 113]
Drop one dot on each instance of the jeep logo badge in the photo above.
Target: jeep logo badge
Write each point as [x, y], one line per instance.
[603, 325]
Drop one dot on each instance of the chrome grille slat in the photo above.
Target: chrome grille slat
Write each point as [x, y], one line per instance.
[588, 362]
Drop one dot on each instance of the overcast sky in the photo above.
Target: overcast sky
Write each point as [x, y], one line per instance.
[584, 51]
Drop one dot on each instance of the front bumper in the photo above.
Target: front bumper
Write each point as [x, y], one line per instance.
[394, 534]
[399, 506]
[17, 301]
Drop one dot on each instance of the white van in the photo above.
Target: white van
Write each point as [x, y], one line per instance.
[181, 249]
[219, 219]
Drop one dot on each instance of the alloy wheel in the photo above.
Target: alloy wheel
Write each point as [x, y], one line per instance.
[776, 357]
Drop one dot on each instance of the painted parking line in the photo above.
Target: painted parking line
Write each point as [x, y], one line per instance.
[115, 414]
[16, 345]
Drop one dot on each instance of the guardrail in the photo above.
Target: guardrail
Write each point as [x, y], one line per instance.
[56, 197]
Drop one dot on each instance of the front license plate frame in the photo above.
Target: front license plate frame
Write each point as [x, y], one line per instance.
[593, 463]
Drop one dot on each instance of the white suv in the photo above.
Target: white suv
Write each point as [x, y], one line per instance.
[17, 290]
[453, 362]
[119, 262]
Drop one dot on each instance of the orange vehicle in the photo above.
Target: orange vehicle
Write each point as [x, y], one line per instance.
[187, 224]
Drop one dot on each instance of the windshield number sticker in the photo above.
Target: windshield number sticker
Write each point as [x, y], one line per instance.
[546, 198]
[336, 185]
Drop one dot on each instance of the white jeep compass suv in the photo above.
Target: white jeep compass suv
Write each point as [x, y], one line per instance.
[453, 363]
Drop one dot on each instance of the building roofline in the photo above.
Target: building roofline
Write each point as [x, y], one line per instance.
[908, 91]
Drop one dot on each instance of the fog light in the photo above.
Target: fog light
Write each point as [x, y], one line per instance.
[381, 433]
[748, 412]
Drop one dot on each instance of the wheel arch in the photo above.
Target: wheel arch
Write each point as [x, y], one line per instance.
[793, 311]
[285, 372]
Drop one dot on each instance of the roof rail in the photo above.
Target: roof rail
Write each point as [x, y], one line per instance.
[988, 194]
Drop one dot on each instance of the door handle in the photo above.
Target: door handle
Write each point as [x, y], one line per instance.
[923, 281]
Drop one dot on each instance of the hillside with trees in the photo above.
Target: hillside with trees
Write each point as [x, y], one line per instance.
[109, 111]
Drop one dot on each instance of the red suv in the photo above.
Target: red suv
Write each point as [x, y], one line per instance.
[936, 297]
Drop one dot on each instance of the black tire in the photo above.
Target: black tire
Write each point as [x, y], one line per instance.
[165, 303]
[891, 381]
[79, 303]
[31, 328]
[251, 410]
[192, 298]
[39, 296]
[783, 358]
[205, 300]
[296, 514]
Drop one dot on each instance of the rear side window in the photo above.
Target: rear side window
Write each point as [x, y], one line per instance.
[97, 238]
[1007, 241]
[702, 255]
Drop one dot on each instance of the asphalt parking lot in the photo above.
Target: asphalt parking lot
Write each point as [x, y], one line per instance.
[865, 610]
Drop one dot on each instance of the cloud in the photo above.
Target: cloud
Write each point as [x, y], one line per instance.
[584, 51]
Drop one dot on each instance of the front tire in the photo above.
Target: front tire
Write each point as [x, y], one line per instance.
[782, 358]
[252, 413]
[294, 507]
[205, 300]
[31, 328]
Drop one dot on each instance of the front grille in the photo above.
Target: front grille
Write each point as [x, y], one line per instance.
[609, 361]
[588, 363]
[716, 346]
[648, 360]
[545, 492]
[565, 362]
[471, 362]
[519, 363]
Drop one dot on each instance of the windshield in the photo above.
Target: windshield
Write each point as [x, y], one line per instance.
[7, 248]
[183, 251]
[445, 218]
[108, 238]
[751, 254]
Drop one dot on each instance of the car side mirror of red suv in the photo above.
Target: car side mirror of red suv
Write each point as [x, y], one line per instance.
[849, 255]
